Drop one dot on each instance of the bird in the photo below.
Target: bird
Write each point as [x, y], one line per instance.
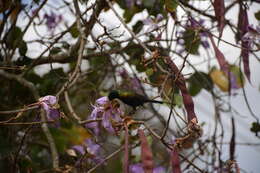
[131, 98]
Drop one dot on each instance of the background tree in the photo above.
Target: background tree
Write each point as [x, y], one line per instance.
[60, 59]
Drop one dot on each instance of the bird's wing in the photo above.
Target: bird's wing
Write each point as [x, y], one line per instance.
[132, 98]
[132, 95]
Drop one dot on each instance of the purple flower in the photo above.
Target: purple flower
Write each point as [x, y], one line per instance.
[159, 169]
[50, 100]
[129, 3]
[93, 125]
[138, 2]
[148, 21]
[50, 105]
[91, 148]
[34, 12]
[104, 110]
[123, 73]
[138, 168]
[106, 123]
[233, 81]
[205, 44]
[52, 20]
[54, 114]
[88, 146]
[204, 41]
[102, 101]
[180, 41]
[194, 23]
[153, 23]
[252, 36]
[79, 148]
[159, 18]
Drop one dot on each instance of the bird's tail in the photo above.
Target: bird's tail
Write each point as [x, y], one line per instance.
[155, 101]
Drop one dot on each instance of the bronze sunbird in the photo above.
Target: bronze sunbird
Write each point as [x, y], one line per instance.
[131, 98]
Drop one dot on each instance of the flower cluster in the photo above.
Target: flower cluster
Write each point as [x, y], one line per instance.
[138, 168]
[203, 35]
[194, 25]
[50, 105]
[107, 112]
[91, 148]
[153, 23]
[132, 3]
[252, 36]
[52, 20]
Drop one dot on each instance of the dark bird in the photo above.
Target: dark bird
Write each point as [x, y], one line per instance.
[130, 98]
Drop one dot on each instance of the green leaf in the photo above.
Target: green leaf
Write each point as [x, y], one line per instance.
[23, 60]
[240, 79]
[178, 100]
[33, 77]
[98, 61]
[257, 15]
[128, 15]
[61, 139]
[156, 7]
[140, 67]
[138, 26]
[22, 48]
[148, 3]
[255, 127]
[13, 37]
[121, 3]
[36, 1]
[149, 71]
[55, 50]
[25, 164]
[51, 81]
[171, 5]
[134, 51]
[74, 31]
[194, 89]
[198, 81]
[40, 157]
[191, 41]
[65, 45]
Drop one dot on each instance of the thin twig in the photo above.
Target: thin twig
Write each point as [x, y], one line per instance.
[90, 121]
[27, 123]
[126, 148]
[54, 152]
[19, 110]
[73, 76]
[70, 107]
[107, 158]
[169, 117]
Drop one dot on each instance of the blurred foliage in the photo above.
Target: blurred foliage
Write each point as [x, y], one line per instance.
[198, 81]
[257, 15]
[191, 41]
